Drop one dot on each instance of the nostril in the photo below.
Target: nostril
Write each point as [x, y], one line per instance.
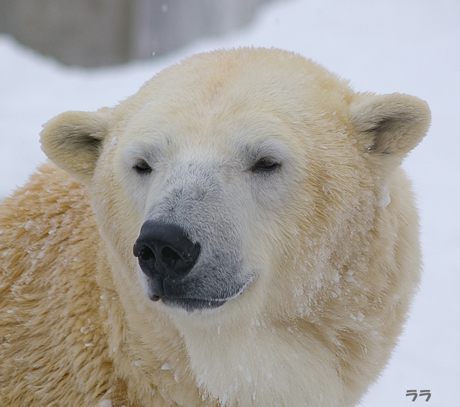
[146, 254]
[169, 256]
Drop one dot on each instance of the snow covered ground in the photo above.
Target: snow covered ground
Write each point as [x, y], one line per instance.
[407, 46]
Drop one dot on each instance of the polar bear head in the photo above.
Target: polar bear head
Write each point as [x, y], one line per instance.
[237, 179]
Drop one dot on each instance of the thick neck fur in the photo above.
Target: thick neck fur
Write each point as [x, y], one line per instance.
[259, 364]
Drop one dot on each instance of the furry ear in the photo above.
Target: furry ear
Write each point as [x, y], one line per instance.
[389, 126]
[72, 140]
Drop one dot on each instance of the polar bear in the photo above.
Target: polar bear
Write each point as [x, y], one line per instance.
[237, 233]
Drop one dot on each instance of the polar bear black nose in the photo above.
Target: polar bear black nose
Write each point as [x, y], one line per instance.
[165, 250]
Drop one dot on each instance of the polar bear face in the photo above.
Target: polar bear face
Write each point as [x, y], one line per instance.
[209, 199]
[202, 207]
[216, 187]
[231, 179]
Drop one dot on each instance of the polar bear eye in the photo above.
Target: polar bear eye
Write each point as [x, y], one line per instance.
[142, 168]
[266, 164]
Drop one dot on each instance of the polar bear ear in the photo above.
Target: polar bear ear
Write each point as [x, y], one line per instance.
[389, 126]
[72, 140]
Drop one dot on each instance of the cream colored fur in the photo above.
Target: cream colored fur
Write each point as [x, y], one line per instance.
[333, 246]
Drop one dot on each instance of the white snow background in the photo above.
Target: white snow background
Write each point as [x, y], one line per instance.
[406, 46]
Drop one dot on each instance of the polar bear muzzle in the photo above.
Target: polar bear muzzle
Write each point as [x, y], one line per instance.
[184, 273]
